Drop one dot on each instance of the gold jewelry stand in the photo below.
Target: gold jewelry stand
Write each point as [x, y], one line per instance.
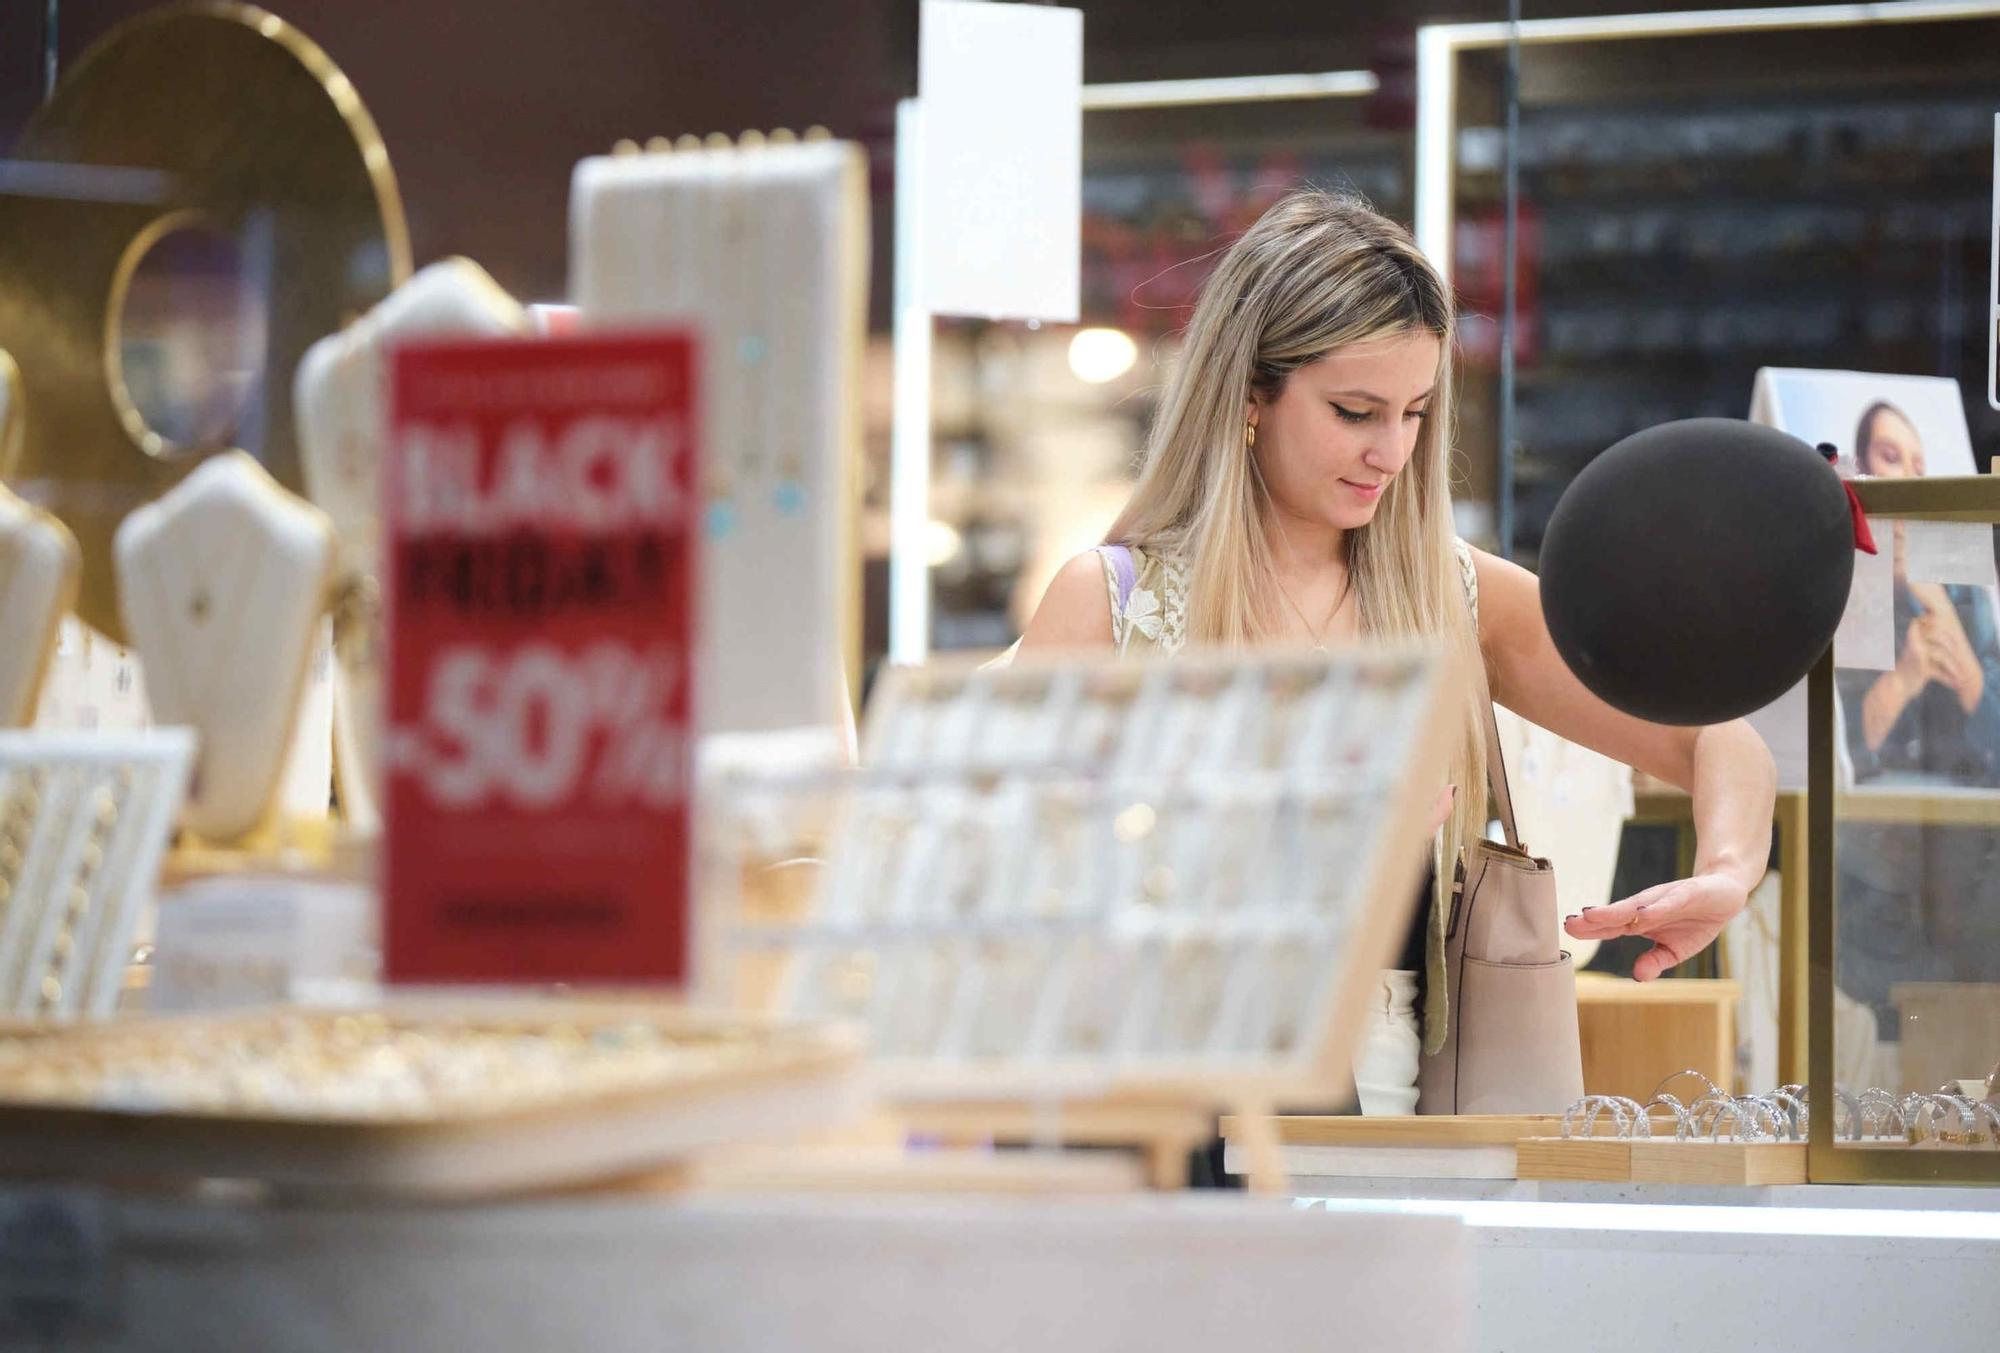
[207, 113]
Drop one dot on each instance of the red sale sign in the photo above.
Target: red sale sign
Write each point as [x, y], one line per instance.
[540, 516]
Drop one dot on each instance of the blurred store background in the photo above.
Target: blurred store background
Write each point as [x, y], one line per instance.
[1692, 206]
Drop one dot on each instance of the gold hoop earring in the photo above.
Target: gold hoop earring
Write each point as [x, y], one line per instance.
[1249, 436]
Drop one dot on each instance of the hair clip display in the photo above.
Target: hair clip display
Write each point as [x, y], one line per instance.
[1102, 873]
[759, 244]
[84, 819]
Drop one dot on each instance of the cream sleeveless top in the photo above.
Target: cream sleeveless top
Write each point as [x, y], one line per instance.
[1149, 596]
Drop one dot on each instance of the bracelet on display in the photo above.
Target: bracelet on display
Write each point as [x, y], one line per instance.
[1876, 1115]
[1627, 1117]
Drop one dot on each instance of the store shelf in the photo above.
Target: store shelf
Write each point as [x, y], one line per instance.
[1671, 248]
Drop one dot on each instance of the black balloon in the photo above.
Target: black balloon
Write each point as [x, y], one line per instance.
[1695, 571]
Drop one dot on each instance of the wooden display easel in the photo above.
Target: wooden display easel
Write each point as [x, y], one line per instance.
[1149, 1083]
[1166, 1135]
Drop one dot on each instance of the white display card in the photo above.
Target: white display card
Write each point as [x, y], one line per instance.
[1132, 875]
[230, 942]
[1001, 93]
[1949, 552]
[1867, 634]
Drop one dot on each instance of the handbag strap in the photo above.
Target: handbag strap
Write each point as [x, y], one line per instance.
[1496, 762]
[1496, 779]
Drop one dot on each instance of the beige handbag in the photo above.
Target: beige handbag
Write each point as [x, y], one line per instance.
[1511, 1046]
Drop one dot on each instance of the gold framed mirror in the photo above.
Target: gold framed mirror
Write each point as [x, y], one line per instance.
[213, 117]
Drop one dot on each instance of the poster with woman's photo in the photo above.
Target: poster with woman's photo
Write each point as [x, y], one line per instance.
[1918, 656]
[1917, 686]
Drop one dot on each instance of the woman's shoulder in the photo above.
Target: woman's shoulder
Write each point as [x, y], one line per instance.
[1076, 608]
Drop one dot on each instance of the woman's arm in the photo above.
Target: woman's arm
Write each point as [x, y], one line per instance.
[1974, 617]
[1726, 768]
[1892, 693]
[1076, 609]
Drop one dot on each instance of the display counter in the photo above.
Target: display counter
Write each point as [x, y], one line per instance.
[871, 1274]
[1558, 1265]
[1433, 1265]
[1587, 1266]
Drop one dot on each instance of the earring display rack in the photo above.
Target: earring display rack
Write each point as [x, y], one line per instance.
[1087, 882]
[760, 245]
[84, 820]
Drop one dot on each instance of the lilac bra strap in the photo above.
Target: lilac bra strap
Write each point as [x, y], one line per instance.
[1123, 568]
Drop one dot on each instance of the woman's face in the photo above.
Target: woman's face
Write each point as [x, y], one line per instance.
[1893, 450]
[1343, 426]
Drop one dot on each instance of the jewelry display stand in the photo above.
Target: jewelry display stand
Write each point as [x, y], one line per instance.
[84, 819]
[761, 247]
[1097, 885]
[39, 568]
[223, 583]
[340, 392]
[1412, 1146]
[13, 427]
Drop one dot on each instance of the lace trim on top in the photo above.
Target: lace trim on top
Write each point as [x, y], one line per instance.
[1156, 608]
[1173, 615]
[1120, 628]
[1468, 576]
[1154, 613]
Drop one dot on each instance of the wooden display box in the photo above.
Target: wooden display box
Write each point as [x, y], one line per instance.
[1612, 1160]
[1637, 1034]
[1439, 1146]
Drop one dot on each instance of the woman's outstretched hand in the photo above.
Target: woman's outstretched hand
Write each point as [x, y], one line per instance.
[1680, 918]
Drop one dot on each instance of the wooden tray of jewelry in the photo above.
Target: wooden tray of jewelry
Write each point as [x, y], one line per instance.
[419, 1100]
[1086, 881]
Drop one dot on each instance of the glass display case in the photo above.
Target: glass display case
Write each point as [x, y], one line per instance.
[1904, 796]
[1702, 195]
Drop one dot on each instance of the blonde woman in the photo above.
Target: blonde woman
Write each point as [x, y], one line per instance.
[1295, 490]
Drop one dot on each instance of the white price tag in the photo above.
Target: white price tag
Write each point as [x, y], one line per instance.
[1867, 634]
[226, 943]
[1950, 552]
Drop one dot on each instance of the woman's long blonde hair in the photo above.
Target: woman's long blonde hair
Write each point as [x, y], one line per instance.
[1315, 273]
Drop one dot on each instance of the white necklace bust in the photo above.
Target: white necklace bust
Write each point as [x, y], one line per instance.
[222, 583]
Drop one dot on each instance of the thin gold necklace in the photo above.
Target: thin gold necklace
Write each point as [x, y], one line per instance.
[1319, 642]
[1346, 584]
